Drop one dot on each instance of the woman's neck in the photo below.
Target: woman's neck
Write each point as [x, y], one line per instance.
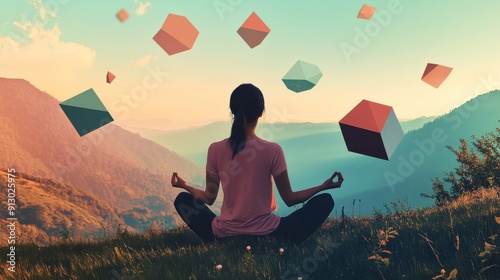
[250, 133]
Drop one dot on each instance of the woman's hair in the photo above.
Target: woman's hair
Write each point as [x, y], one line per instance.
[247, 105]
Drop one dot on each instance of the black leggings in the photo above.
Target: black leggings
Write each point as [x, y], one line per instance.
[296, 227]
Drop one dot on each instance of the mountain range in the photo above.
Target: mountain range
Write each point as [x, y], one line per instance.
[315, 150]
[421, 156]
[45, 208]
[119, 169]
[112, 176]
[193, 142]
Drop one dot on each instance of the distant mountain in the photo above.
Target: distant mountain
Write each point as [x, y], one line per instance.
[409, 125]
[421, 156]
[193, 142]
[139, 126]
[121, 169]
[314, 151]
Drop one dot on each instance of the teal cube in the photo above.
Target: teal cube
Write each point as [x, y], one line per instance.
[86, 112]
[302, 76]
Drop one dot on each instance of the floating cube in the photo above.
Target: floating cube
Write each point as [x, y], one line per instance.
[435, 74]
[302, 76]
[253, 30]
[371, 129]
[122, 15]
[366, 12]
[110, 77]
[86, 112]
[176, 35]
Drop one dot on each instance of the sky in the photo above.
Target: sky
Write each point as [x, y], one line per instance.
[65, 47]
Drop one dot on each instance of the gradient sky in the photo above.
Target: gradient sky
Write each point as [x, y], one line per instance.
[67, 47]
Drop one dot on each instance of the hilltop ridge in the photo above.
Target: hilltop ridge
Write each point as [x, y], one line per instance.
[124, 171]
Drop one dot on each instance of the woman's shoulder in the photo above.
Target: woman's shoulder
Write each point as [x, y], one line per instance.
[220, 143]
[270, 144]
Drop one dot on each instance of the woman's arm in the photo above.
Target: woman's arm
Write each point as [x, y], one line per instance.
[291, 198]
[208, 195]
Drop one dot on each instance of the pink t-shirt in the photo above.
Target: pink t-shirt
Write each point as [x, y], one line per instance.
[247, 185]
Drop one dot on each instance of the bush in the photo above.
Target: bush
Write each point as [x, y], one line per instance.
[478, 168]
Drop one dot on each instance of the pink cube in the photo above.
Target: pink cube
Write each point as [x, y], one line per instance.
[366, 12]
[435, 74]
[176, 35]
[253, 30]
[371, 129]
[122, 15]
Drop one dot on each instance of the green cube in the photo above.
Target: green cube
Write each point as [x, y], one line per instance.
[86, 112]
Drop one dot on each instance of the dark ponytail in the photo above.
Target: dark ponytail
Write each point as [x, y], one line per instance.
[247, 105]
[238, 136]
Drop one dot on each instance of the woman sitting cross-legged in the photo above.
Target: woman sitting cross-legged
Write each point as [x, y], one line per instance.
[245, 165]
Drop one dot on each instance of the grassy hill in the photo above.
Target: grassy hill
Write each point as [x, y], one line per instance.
[426, 241]
[124, 170]
[45, 207]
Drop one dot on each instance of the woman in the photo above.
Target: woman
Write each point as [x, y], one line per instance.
[244, 164]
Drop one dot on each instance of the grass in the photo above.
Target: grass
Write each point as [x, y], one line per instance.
[428, 241]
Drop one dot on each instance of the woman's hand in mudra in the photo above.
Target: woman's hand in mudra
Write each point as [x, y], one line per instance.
[331, 184]
[178, 182]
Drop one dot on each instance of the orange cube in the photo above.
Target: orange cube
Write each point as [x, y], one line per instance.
[176, 35]
[122, 15]
[435, 74]
[371, 129]
[366, 12]
[253, 31]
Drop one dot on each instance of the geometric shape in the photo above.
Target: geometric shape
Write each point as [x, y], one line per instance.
[176, 35]
[380, 114]
[392, 134]
[253, 30]
[366, 12]
[429, 68]
[298, 85]
[361, 116]
[110, 77]
[86, 112]
[371, 129]
[435, 74]
[122, 15]
[302, 76]
[363, 141]
[87, 99]
[86, 120]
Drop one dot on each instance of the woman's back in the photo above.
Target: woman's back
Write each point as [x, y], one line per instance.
[247, 185]
[244, 165]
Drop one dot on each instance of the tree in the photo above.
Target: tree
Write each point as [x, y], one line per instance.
[489, 146]
[478, 168]
[441, 195]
